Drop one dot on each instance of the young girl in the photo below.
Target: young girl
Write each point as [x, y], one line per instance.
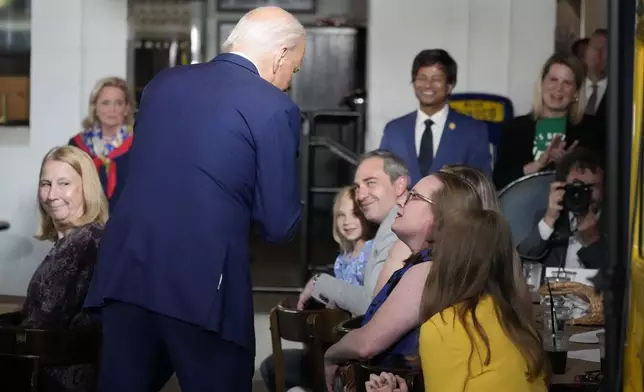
[353, 234]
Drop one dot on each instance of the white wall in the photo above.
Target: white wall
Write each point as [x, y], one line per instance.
[499, 46]
[594, 14]
[73, 43]
[354, 9]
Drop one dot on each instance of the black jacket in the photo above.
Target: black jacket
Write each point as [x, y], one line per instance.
[517, 141]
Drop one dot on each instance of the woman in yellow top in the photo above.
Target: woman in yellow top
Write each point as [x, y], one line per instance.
[478, 335]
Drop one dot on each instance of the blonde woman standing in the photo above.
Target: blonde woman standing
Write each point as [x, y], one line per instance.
[557, 123]
[107, 133]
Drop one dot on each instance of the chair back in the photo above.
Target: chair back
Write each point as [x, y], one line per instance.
[347, 326]
[54, 347]
[292, 324]
[313, 327]
[522, 199]
[29, 349]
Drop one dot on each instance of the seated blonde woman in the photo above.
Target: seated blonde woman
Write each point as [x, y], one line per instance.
[476, 333]
[73, 210]
[389, 332]
[486, 191]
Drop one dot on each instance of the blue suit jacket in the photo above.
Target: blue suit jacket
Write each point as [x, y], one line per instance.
[215, 150]
[467, 143]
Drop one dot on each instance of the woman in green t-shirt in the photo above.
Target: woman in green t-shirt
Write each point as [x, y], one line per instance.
[557, 123]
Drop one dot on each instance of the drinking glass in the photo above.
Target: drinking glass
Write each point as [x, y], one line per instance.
[532, 274]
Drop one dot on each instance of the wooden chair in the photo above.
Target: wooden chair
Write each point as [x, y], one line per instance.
[312, 327]
[347, 326]
[30, 349]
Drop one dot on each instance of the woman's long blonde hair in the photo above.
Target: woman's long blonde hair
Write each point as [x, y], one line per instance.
[578, 105]
[95, 209]
[473, 259]
[91, 121]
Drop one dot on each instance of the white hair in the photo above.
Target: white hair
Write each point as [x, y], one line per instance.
[263, 36]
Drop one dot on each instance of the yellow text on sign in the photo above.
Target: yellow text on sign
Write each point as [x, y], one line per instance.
[480, 109]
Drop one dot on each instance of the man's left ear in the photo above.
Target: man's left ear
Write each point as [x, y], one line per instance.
[400, 185]
[450, 88]
[279, 59]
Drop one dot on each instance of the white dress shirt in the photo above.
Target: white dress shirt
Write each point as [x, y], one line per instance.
[574, 246]
[439, 118]
[601, 90]
[247, 58]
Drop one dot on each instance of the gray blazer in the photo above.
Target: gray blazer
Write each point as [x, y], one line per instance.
[356, 299]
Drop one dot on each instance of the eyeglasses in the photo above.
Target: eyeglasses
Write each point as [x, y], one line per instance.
[412, 194]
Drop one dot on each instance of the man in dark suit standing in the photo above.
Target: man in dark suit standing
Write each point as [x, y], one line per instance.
[596, 83]
[435, 135]
[215, 150]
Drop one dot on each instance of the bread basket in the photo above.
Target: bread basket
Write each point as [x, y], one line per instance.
[595, 315]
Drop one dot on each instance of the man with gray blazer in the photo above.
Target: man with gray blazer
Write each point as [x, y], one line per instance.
[380, 179]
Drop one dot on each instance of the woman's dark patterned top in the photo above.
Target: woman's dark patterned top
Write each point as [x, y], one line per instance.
[407, 345]
[55, 298]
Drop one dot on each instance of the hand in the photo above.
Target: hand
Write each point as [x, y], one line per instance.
[330, 371]
[555, 203]
[558, 150]
[588, 229]
[305, 295]
[385, 382]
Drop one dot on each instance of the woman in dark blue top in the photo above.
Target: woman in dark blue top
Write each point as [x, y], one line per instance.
[407, 346]
[390, 330]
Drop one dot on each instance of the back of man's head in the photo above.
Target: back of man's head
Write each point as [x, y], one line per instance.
[265, 31]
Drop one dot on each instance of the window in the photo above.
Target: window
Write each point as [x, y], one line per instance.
[15, 49]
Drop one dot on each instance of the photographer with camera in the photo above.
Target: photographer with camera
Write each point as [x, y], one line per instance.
[569, 233]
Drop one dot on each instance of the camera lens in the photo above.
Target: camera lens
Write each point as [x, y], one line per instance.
[577, 198]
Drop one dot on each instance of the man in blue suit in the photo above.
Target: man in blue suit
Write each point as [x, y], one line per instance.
[215, 150]
[435, 135]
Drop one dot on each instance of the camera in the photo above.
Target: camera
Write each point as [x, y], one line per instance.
[577, 198]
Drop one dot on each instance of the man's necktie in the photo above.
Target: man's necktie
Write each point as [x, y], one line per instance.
[591, 105]
[426, 153]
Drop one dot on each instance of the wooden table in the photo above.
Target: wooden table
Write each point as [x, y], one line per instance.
[576, 367]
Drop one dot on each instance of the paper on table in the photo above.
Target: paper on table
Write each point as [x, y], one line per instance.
[589, 337]
[590, 355]
[580, 275]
